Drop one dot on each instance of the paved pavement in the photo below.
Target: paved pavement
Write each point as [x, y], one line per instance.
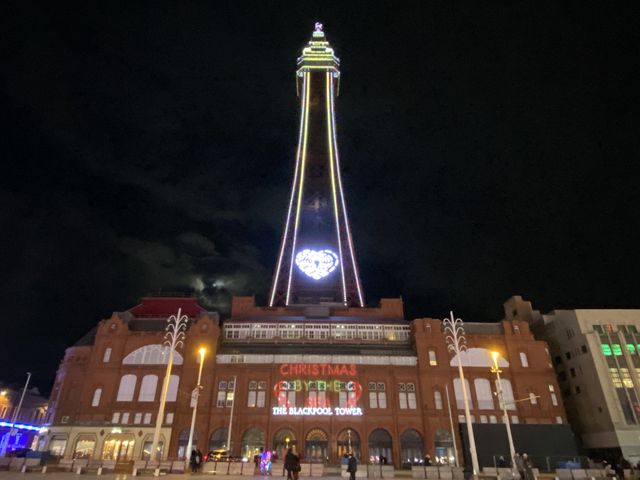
[122, 476]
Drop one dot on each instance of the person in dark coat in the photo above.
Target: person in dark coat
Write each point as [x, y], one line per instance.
[193, 461]
[199, 459]
[502, 463]
[352, 466]
[427, 460]
[291, 465]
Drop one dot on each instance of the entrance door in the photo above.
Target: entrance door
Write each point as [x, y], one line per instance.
[316, 446]
[118, 447]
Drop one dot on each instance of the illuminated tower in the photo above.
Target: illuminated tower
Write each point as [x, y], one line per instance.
[316, 261]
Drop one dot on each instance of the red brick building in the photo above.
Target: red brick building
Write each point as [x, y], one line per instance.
[316, 370]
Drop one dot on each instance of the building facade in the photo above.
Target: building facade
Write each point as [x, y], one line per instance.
[20, 423]
[315, 370]
[596, 355]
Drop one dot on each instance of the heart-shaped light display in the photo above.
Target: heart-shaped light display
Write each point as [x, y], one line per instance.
[316, 264]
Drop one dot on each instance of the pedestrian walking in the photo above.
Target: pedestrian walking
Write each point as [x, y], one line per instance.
[519, 465]
[528, 467]
[292, 465]
[199, 460]
[193, 461]
[352, 466]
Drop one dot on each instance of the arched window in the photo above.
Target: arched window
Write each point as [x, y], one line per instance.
[507, 394]
[484, 393]
[148, 388]
[437, 399]
[316, 445]
[457, 387]
[252, 442]
[348, 442]
[152, 355]
[411, 448]
[127, 387]
[380, 444]
[172, 391]
[218, 439]
[524, 361]
[95, 401]
[478, 357]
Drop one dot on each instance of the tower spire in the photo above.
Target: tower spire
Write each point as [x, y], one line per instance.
[316, 261]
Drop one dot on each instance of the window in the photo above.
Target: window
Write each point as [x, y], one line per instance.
[484, 394]
[554, 399]
[483, 419]
[558, 360]
[606, 349]
[507, 394]
[493, 419]
[115, 418]
[172, 390]
[437, 399]
[152, 355]
[106, 356]
[598, 329]
[578, 389]
[515, 419]
[462, 419]
[407, 396]
[95, 401]
[125, 418]
[568, 355]
[516, 330]
[617, 351]
[377, 395]
[433, 361]
[137, 418]
[148, 388]
[572, 371]
[583, 349]
[147, 419]
[558, 419]
[169, 418]
[127, 387]
[64, 419]
[631, 348]
[457, 388]
[256, 397]
[225, 394]
[524, 361]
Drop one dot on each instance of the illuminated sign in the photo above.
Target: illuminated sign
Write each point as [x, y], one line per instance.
[315, 411]
[316, 264]
[287, 369]
[20, 426]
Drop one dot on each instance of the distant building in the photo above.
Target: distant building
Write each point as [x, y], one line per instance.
[29, 420]
[596, 353]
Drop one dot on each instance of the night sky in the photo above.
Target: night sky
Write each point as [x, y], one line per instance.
[488, 149]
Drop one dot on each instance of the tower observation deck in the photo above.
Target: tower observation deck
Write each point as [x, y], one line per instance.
[316, 260]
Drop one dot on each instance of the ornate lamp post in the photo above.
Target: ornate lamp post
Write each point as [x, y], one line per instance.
[503, 406]
[196, 395]
[176, 325]
[457, 343]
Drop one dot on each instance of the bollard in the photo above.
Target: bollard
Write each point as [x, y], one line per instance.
[99, 472]
[44, 469]
[156, 473]
[135, 472]
[24, 467]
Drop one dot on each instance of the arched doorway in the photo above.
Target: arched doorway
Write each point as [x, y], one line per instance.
[118, 447]
[444, 448]
[183, 440]
[146, 447]
[411, 449]
[380, 445]
[316, 446]
[282, 440]
[348, 442]
[218, 439]
[252, 443]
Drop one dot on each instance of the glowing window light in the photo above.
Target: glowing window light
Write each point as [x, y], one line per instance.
[632, 349]
[617, 351]
[606, 349]
[317, 264]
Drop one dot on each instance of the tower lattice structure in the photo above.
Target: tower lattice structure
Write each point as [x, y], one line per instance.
[316, 260]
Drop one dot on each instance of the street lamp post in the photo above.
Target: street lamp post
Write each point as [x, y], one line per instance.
[196, 395]
[457, 343]
[174, 337]
[503, 406]
[14, 418]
